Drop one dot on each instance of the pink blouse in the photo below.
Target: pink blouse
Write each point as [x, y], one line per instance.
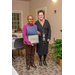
[24, 33]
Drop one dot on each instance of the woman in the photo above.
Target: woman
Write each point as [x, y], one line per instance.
[30, 48]
[45, 30]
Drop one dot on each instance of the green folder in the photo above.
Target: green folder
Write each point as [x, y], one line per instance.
[19, 37]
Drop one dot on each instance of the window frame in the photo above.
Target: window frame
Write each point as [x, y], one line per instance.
[21, 12]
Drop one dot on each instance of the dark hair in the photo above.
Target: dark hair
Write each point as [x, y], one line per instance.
[28, 16]
[41, 11]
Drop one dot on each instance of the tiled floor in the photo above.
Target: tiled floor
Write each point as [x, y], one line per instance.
[52, 68]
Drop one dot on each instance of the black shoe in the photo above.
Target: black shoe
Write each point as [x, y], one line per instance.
[44, 62]
[40, 63]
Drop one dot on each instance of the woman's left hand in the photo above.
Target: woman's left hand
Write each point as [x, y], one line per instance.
[48, 40]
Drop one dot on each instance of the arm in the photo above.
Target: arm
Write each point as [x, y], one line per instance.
[39, 33]
[24, 33]
[37, 29]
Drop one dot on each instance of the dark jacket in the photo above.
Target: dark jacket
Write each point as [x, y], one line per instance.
[42, 47]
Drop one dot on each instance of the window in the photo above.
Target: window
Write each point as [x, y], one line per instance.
[16, 20]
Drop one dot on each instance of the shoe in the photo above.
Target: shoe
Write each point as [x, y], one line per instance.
[40, 63]
[33, 65]
[28, 67]
[44, 62]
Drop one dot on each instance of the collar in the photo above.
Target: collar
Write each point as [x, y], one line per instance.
[30, 25]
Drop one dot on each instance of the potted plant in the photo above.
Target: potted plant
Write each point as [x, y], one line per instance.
[19, 30]
[57, 50]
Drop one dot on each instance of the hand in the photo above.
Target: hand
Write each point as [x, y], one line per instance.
[38, 32]
[31, 44]
[48, 40]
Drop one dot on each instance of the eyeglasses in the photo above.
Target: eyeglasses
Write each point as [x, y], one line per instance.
[30, 19]
[40, 15]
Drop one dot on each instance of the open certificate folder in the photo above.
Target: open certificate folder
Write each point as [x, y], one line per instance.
[32, 35]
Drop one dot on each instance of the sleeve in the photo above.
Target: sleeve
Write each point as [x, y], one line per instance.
[37, 28]
[24, 33]
[49, 31]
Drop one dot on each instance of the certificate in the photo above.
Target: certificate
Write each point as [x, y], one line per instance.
[33, 38]
[32, 35]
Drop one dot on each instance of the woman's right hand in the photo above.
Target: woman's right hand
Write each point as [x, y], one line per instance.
[38, 32]
[31, 44]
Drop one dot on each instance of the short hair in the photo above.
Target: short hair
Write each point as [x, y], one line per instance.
[28, 16]
[41, 11]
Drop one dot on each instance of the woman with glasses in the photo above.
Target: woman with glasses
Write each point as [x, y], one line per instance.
[45, 31]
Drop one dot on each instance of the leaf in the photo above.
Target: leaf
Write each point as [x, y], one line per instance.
[59, 56]
[60, 49]
[58, 41]
[52, 47]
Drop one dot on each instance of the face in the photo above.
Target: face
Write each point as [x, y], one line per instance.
[41, 16]
[30, 20]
